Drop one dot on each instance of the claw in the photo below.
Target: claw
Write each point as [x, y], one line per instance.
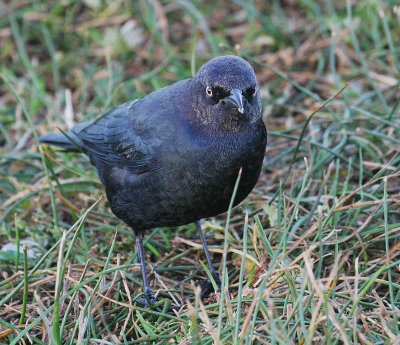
[150, 298]
[207, 287]
[149, 301]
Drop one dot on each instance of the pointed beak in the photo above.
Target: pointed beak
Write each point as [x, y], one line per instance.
[236, 100]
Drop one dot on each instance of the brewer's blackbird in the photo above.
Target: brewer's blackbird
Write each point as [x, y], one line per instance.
[173, 157]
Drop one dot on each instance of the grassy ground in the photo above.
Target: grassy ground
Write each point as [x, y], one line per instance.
[312, 255]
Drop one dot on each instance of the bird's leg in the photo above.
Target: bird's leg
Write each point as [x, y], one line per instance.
[148, 294]
[206, 287]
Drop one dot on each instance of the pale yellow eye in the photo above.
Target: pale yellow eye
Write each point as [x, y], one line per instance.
[209, 91]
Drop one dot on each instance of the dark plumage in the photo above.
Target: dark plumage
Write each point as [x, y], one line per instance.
[173, 157]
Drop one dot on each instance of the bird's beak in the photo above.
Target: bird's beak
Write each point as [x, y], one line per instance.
[236, 99]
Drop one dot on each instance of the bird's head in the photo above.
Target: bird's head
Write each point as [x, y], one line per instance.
[226, 94]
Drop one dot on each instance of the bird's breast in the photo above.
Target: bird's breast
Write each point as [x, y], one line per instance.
[207, 168]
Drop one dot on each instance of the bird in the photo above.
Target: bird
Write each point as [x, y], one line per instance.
[172, 157]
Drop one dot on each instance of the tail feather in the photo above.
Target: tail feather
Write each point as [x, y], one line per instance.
[65, 141]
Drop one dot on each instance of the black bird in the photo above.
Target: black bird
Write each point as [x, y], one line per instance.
[173, 157]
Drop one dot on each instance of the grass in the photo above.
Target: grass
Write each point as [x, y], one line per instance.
[311, 256]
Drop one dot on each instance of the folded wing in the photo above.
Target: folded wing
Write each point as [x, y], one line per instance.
[120, 139]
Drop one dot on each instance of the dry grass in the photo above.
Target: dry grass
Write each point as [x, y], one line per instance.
[312, 255]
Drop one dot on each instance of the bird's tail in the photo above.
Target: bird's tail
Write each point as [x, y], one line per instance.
[67, 141]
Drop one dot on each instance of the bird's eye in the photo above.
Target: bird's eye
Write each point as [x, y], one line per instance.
[216, 93]
[249, 93]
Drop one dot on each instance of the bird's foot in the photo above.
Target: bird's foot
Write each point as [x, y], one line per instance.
[149, 301]
[149, 296]
[207, 286]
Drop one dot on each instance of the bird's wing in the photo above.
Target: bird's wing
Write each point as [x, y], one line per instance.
[119, 138]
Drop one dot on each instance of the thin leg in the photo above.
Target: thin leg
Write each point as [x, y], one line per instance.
[203, 241]
[146, 287]
[207, 286]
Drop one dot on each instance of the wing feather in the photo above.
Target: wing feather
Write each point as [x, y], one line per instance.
[120, 139]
